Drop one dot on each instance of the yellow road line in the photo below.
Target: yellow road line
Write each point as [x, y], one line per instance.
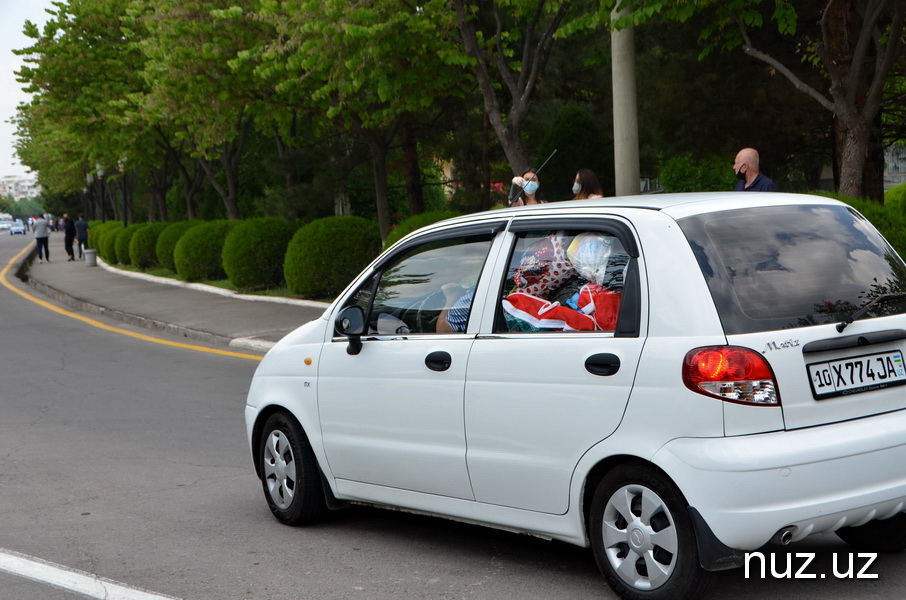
[89, 321]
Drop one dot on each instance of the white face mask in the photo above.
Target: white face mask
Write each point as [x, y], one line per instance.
[576, 188]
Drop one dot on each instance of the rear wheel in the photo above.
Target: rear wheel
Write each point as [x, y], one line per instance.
[643, 539]
[888, 535]
[289, 472]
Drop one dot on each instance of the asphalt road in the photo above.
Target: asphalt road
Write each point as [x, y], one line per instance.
[127, 461]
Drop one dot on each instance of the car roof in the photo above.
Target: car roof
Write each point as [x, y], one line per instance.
[677, 206]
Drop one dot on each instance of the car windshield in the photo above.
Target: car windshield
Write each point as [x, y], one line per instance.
[780, 267]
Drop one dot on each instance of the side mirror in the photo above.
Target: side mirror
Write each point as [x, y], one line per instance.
[351, 323]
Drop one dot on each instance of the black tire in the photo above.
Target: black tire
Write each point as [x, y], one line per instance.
[888, 535]
[643, 539]
[289, 472]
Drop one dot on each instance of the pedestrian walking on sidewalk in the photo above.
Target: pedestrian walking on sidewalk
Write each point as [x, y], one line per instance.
[40, 227]
[81, 227]
[69, 233]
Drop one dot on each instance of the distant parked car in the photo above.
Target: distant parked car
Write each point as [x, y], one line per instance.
[672, 380]
[5, 225]
[17, 228]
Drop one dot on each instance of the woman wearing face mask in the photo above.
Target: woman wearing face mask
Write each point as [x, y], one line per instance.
[531, 190]
[586, 185]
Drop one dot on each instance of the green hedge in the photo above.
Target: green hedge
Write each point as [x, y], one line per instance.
[410, 224]
[122, 242]
[326, 254]
[253, 253]
[198, 254]
[895, 198]
[684, 173]
[167, 240]
[107, 240]
[94, 227]
[142, 247]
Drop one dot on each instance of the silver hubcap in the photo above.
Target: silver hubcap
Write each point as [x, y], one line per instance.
[279, 469]
[640, 537]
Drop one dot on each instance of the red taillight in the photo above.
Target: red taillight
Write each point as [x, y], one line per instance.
[731, 373]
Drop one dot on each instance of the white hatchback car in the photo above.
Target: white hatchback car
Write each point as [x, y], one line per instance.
[672, 380]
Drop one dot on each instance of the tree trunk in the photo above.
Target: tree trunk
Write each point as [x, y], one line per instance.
[485, 165]
[519, 84]
[852, 153]
[379, 150]
[230, 157]
[412, 168]
[342, 207]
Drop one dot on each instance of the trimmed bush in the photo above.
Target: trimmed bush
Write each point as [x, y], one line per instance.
[684, 173]
[326, 254]
[198, 253]
[122, 242]
[94, 227]
[167, 240]
[414, 222]
[107, 241]
[253, 253]
[142, 253]
[895, 198]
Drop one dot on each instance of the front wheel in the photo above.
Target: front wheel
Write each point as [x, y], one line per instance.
[289, 472]
[888, 535]
[643, 539]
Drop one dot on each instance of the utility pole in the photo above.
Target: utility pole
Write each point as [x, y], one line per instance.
[625, 110]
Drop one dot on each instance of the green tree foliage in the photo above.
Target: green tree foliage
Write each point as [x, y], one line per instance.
[303, 109]
[852, 46]
[254, 251]
[79, 69]
[326, 254]
[576, 135]
[358, 64]
[199, 253]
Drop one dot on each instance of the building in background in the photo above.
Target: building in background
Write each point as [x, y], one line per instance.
[19, 187]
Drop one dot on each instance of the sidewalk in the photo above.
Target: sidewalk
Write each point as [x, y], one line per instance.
[193, 311]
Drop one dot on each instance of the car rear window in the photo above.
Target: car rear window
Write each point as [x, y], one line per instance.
[778, 267]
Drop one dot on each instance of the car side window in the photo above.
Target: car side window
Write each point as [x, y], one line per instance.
[567, 280]
[428, 288]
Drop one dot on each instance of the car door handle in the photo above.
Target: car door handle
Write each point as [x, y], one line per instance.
[602, 364]
[438, 361]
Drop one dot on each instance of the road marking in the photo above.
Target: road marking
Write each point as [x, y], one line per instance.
[71, 580]
[98, 324]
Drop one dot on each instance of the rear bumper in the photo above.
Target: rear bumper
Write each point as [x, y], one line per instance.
[815, 480]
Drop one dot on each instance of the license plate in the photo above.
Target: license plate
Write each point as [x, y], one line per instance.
[857, 374]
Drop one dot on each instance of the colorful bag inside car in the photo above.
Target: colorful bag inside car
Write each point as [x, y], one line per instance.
[544, 266]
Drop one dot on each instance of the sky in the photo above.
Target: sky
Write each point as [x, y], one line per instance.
[13, 14]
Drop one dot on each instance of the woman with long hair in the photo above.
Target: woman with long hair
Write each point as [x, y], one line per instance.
[586, 185]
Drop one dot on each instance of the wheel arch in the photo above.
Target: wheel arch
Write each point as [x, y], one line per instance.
[599, 471]
[261, 418]
[713, 554]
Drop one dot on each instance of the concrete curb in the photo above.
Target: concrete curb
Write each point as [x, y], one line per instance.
[22, 272]
[211, 289]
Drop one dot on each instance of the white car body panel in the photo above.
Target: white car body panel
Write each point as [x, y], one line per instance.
[510, 433]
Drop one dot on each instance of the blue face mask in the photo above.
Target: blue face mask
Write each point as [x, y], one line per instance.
[530, 187]
[576, 189]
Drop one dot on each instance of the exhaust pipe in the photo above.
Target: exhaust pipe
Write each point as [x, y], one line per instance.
[784, 536]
